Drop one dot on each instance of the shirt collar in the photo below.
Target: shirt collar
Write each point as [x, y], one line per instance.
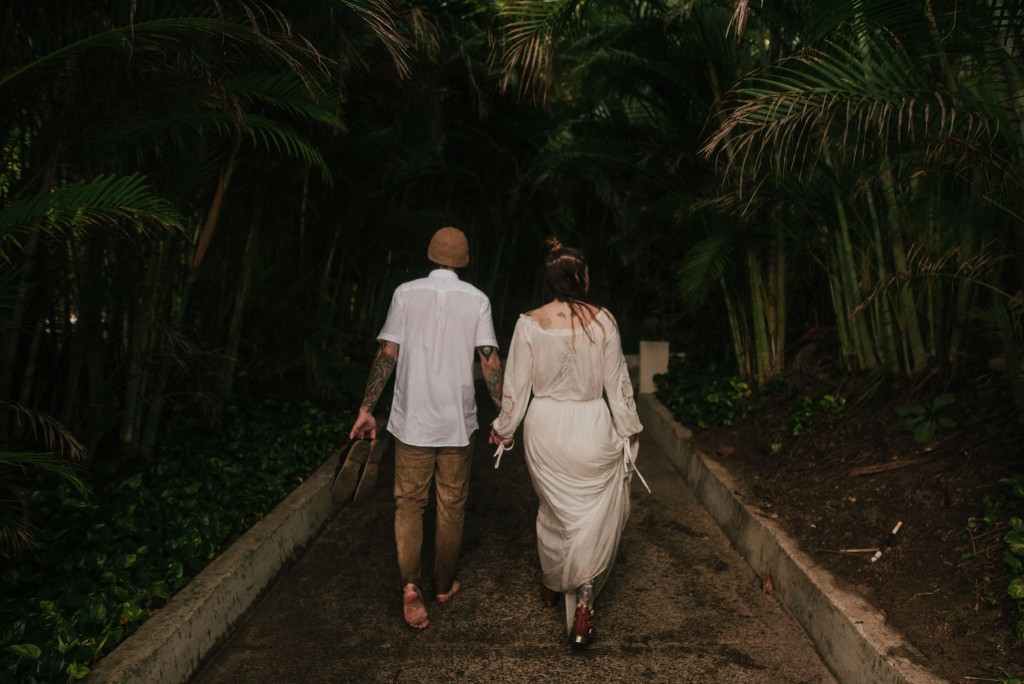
[444, 274]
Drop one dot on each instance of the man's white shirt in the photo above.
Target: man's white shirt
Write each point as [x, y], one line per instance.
[438, 322]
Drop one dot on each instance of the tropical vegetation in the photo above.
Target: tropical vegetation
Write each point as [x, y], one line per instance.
[200, 202]
[101, 565]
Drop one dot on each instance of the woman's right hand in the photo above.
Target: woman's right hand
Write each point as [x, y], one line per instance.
[496, 439]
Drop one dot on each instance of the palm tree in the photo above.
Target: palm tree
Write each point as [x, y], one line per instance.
[922, 123]
[644, 78]
[122, 127]
[183, 111]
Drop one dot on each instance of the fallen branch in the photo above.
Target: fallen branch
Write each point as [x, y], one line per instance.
[882, 467]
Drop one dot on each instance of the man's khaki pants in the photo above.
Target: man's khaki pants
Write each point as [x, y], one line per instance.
[414, 468]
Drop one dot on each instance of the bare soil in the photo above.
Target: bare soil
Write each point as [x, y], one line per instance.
[842, 487]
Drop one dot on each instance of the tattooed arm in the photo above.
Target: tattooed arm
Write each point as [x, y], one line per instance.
[383, 366]
[490, 367]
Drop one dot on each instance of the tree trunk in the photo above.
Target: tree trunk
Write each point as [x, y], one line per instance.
[235, 329]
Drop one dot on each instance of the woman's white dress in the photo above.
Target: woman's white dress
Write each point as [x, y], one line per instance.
[576, 437]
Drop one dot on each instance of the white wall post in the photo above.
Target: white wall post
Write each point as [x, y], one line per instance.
[653, 361]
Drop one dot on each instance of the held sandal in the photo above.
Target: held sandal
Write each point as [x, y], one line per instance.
[351, 457]
[369, 477]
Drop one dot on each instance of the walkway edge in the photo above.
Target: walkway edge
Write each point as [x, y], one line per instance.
[171, 645]
[852, 637]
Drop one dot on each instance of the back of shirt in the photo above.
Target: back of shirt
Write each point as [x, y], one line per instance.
[438, 322]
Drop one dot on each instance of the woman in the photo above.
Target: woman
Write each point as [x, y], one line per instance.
[568, 355]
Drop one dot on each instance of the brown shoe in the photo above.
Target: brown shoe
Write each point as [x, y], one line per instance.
[579, 635]
[351, 458]
[549, 597]
[369, 477]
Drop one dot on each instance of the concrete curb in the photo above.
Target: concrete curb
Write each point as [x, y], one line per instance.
[171, 645]
[851, 635]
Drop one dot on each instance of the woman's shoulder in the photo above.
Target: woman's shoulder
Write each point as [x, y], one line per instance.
[542, 315]
[552, 318]
[526, 320]
[555, 316]
[611, 317]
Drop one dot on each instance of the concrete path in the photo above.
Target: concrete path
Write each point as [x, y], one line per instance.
[681, 605]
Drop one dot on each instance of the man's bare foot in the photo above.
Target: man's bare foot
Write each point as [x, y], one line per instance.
[456, 585]
[412, 605]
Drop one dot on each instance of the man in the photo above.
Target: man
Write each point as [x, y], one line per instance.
[432, 329]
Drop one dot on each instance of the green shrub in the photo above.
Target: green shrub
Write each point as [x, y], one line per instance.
[1013, 554]
[927, 418]
[102, 565]
[1004, 516]
[809, 414]
[702, 397]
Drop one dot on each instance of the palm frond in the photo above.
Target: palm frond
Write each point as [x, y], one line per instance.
[816, 20]
[786, 115]
[284, 91]
[863, 18]
[530, 35]
[283, 139]
[101, 202]
[266, 30]
[18, 466]
[380, 17]
[881, 77]
[49, 430]
[16, 529]
[953, 267]
[705, 264]
[741, 14]
[45, 462]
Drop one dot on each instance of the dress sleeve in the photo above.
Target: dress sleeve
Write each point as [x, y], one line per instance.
[518, 382]
[617, 385]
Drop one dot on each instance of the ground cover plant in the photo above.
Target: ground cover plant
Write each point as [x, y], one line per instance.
[101, 564]
[837, 475]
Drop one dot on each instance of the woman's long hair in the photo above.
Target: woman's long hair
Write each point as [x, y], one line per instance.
[565, 278]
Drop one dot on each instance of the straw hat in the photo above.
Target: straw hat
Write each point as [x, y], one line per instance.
[449, 247]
